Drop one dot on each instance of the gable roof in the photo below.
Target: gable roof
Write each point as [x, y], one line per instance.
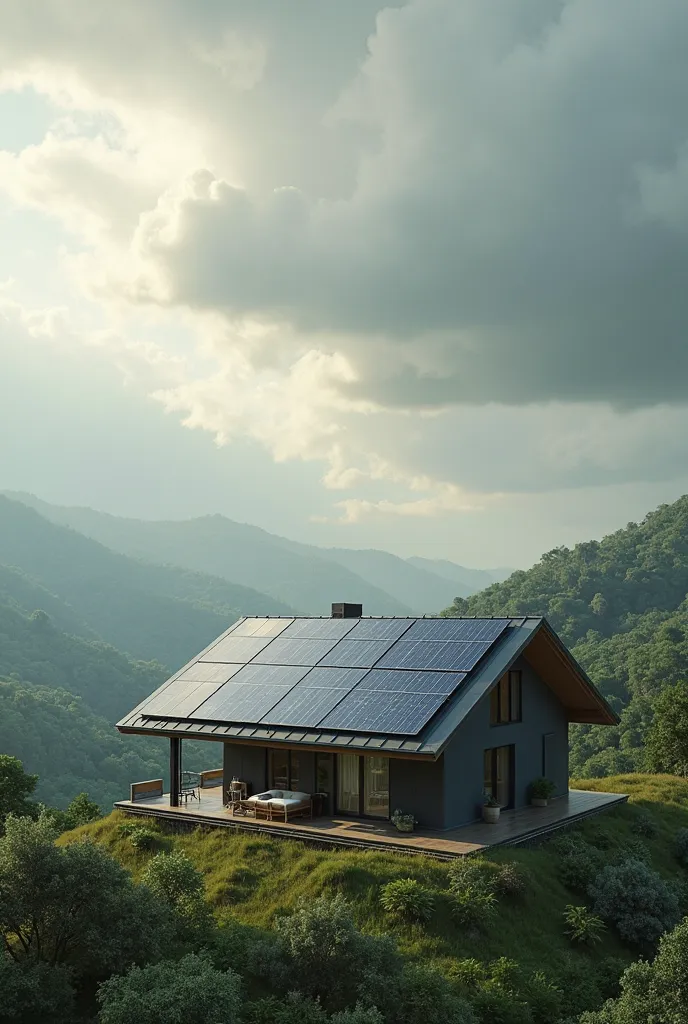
[386, 685]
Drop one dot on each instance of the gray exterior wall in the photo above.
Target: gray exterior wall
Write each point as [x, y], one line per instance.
[417, 788]
[247, 763]
[542, 713]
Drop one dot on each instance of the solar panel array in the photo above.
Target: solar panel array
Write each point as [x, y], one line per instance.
[360, 675]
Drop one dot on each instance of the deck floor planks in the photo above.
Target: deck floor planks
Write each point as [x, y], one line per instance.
[513, 826]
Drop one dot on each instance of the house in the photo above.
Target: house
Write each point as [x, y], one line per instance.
[374, 714]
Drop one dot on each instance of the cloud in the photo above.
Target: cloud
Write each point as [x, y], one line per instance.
[440, 241]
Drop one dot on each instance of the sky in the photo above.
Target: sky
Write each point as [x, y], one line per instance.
[409, 277]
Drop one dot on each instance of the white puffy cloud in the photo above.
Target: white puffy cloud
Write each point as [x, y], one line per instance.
[439, 247]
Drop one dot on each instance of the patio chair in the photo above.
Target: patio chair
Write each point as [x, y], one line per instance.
[190, 786]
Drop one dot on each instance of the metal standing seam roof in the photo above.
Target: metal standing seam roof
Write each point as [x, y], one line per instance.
[407, 697]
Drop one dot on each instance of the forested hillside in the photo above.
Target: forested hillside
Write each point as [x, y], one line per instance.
[620, 603]
[149, 611]
[59, 699]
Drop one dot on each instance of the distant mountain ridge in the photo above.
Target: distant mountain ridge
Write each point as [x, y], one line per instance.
[306, 577]
[148, 611]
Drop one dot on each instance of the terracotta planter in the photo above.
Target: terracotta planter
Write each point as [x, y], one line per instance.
[491, 815]
[403, 827]
[538, 801]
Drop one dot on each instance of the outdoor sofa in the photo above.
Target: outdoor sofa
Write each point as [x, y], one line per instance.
[275, 804]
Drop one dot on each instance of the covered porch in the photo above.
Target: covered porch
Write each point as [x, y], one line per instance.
[207, 808]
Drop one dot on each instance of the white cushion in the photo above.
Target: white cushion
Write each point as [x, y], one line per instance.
[284, 803]
[295, 794]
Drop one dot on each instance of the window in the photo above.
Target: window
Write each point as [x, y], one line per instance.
[284, 770]
[505, 699]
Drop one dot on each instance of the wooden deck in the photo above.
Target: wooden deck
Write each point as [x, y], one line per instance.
[513, 827]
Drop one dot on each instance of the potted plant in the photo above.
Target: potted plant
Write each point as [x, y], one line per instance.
[491, 809]
[403, 822]
[540, 792]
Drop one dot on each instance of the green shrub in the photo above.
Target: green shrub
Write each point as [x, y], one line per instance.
[636, 900]
[421, 996]
[541, 789]
[645, 825]
[543, 997]
[473, 908]
[511, 881]
[189, 990]
[294, 1009]
[174, 879]
[473, 873]
[407, 898]
[633, 849]
[582, 925]
[318, 950]
[143, 838]
[579, 862]
[681, 846]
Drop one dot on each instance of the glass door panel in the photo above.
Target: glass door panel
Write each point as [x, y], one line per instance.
[347, 783]
[502, 785]
[324, 779]
[376, 786]
[279, 769]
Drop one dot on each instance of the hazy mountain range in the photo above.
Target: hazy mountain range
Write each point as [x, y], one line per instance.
[304, 577]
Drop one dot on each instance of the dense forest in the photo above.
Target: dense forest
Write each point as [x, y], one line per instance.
[122, 920]
[620, 604]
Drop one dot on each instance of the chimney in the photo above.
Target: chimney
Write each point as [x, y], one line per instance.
[347, 611]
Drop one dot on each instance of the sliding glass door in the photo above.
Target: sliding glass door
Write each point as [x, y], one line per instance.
[348, 784]
[363, 785]
[376, 787]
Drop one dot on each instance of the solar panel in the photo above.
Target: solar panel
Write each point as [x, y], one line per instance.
[457, 629]
[236, 703]
[238, 649]
[396, 681]
[319, 629]
[178, 699]
[208, 672]
[433, 654]
[288, 651]
[353, 653]
[261, 627]
[379, 629]
[334, 678]
[304, 706]
[379, 711]
[282, 675]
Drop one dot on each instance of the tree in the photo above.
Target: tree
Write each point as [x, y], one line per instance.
[667, 740]
[189, 990]
[652, 991]
[81, 811]
[34, 992]
[73, 905]
[320, 951]
[16, 786]
[172, 878]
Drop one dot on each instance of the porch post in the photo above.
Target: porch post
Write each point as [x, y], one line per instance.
[175, 769]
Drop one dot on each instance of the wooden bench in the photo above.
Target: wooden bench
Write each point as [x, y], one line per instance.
[145, 790]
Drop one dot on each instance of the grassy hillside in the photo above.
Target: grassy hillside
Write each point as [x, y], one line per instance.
[252, 879]
[149, 611]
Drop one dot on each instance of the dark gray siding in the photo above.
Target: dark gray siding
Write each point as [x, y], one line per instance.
[542, 714]
[247, 763]
[416, 787]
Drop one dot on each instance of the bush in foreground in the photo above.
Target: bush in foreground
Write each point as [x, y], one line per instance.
[406, 898]
[652, 992]
[636, 900]
[189, 990]
[681, 846]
